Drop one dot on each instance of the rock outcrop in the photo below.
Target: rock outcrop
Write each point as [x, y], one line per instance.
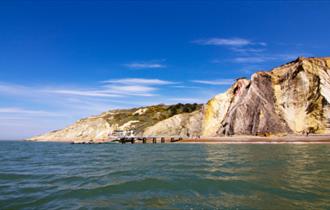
[186, 125]
[120, 122]
[92, 128]
[293, 98]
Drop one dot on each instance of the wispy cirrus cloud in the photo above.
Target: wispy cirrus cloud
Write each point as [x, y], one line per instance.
[242, 47]
[247, 51]
[133, 90]
[145, 65]
[233, 43]
[139, 81]
[14, 89]
[118, 88]
[81, 92]
[252, 59]
[22, 111]
[261, 58]
[215, 82]
[108, 91]
[114, 88]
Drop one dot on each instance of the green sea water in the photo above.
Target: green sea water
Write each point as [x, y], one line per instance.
[163, 176]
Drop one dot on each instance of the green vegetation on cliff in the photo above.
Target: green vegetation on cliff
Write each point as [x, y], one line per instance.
[144, 117]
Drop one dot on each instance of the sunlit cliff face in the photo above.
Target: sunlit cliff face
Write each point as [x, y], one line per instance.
[292, 98]
[301, 93]
[216, 109]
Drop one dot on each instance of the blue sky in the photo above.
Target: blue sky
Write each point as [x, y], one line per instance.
[63, 60]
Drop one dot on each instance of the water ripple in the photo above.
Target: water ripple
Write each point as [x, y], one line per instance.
[163, 176]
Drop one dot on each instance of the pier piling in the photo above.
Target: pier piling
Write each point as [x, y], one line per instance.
[132, 140]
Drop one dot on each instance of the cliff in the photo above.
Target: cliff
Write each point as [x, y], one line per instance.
[118, 122]
[293, 98]
[290, 99]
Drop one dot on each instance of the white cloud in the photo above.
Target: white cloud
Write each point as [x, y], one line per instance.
[139, 81]
[231, 42]
[240, 46]
[22, 111]
[81, 93]
[115, 88]
[137, 90]
[215, 82]
[185, 87]
[14, 89]
[145, 65]
[131, 88]
[248, 50]
[252, 59]
[257, 58]
[107, 91]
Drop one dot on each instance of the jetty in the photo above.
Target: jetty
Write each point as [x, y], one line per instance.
[133, 140]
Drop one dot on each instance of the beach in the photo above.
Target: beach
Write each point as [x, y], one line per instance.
[290, 139]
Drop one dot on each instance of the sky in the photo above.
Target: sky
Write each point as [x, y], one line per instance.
[64, 60]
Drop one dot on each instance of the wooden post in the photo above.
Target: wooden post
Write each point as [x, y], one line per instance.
[144, 140]
[132, 140]
[154, 140]
[162, 140]
[123, 140]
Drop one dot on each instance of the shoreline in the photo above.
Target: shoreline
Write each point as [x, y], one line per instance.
[290, 139]
[254, 142]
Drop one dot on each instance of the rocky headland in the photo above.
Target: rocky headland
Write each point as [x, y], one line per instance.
[290, 99]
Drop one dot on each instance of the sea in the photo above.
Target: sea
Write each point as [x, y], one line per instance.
[36, 175]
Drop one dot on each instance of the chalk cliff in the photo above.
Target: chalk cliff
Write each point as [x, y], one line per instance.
[293, 98]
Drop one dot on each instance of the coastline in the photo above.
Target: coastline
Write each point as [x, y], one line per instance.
[289, 139]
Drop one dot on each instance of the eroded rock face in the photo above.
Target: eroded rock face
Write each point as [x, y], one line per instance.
[184, 125]
[92, 128]
[252, 111]
[292, 98]
[301, 89]
[217, 109]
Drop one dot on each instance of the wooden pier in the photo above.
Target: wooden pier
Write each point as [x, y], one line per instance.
[147, 140]
[135, 140]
